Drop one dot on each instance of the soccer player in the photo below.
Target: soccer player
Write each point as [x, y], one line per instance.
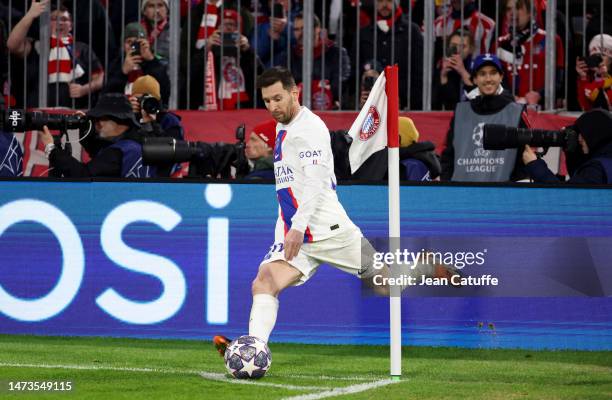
[312, 227]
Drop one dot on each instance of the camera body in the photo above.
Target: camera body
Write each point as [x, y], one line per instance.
[368, 83]
[14, 120]
[230, 39]
[135, 48]
[150, 104]
[452, 50]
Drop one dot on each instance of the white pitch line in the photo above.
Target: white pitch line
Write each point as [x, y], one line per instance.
[101, 367]
[177, 371]
[326, 377]
[222, 378]
[362, 387]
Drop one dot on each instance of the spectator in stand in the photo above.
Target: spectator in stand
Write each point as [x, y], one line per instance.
[371, 72]
[68, 63]
[235, 63]
[481, 26]
[272, 37]
[453, 80]
[113, 140]
[595, 82]
[528, 44]
[138, 60]
[156, 23]
[206, 18]
[390, 19]
[337, 65]
[591, 162]
[464, 159]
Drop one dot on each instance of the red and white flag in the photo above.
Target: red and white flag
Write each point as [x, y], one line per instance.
[369, 131]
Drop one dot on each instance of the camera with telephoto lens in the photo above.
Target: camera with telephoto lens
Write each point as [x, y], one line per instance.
[150, 104]
[501, 137]
[13, 120]
[206, 160]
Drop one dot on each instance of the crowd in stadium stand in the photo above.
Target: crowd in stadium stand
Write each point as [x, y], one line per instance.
[226, 44]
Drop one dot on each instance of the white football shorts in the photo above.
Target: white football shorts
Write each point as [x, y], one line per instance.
[342, 251]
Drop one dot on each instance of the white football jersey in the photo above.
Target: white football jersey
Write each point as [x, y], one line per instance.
[305, 141]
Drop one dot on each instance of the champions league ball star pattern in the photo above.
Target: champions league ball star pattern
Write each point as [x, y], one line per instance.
[248, 357]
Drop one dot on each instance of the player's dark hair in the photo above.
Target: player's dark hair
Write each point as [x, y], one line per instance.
[276, 74]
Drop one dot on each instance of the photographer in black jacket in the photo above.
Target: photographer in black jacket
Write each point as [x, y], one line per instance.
[591, 163]
[113, 139]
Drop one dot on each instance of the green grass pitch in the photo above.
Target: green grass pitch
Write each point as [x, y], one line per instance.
[109, 368]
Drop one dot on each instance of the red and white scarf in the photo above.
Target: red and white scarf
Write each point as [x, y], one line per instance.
[153, 32]
[385, 24]
[210, 20]
[59, 66]
[231, 86]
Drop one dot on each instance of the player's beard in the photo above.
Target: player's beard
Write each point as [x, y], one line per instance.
[285, 116]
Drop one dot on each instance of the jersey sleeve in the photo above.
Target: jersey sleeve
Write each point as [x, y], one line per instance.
[313, 147]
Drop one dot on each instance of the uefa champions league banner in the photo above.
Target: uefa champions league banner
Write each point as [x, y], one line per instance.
[177, 260]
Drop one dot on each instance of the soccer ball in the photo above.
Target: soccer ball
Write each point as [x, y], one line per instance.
[247, 357]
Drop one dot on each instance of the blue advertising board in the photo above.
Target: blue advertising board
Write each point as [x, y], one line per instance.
[148, 259]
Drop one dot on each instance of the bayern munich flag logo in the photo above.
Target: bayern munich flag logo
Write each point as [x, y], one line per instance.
[370, 124]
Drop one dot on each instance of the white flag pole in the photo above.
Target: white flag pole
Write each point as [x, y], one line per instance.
[395, 304]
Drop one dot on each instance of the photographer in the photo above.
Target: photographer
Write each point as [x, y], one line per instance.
[464, 159]
[114, 145]
[138, 61]
[258, 151]
[153, 117]
[595, 83]
[591, 163]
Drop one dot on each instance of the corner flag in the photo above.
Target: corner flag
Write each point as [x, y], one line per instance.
[369, 131]
[375, 128]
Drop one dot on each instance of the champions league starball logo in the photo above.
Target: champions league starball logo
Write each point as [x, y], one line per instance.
[477, 137]
[370, 124]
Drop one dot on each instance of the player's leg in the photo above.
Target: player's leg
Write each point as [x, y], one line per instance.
[272, 278]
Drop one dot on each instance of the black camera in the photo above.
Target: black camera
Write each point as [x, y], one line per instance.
[368, 83]
[452, 50]
[501, 137]
[135, 48]
[278, 11]
[150, 104]
[13, 120]
[230, 39]
[593, 60]
[211, 160]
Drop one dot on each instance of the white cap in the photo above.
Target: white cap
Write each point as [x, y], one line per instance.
[595, 47]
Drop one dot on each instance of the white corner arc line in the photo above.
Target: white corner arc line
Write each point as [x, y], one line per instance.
[362, 387]
[223, 378]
